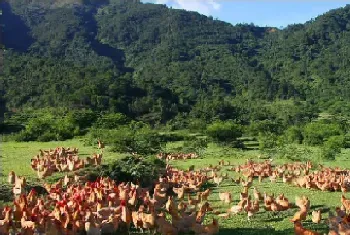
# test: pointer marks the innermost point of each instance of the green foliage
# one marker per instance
(142, 141)
(197, 125)
(47, 128)
(267, 140)
(198, 145)
(294, 134)
(153, 64)
(136, 169)
(332, 147)
(146, 141)
(315, 133)
(266, 126)
(294, 152)
(157, 65)
(82, 118)
(111, 121)
(222, 131)
(172, 136)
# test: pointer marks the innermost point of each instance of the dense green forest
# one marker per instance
(161, 65)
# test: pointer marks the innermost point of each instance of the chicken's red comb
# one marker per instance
(123, 203)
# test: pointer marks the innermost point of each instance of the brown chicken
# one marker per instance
(5, 223)
(316, 216)
(300, 230)
(212, 228)
(345, 202)
(225, 197)
(300, 215)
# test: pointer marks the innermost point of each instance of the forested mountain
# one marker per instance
(155, 63)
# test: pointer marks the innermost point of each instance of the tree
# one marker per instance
(267, 140)
(315, 133)
(294, 135)
(332, 147)
(224, 131)
(136, 169)
(111, 121)
(142, 141)
(197, 145)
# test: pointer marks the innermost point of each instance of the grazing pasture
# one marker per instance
(16, 157)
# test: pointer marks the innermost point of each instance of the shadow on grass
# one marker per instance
(255, 231)
(209, 185)
(320, 207)
(273, 219)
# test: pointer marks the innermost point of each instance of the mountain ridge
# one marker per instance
(155, 63)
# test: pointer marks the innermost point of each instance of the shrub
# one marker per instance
(171, 137)
(179, 122)
(266, 126)
(146, 141)
(224, 131)
(143, 141)
(65, 129)
(294, 135)
(315, 133)
(267, 141)
(197, 145)
(143, 170)
(112, 121)
(48, 128)
(197, 125)
(46, 137)
(82, 118)
(332, 147)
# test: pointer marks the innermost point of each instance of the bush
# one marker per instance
(171, 137)
(179, 122)
(46, 137)
(266, 126)
(267, 141)
(197, 145)
(65, 129)
(332, 147)
(111, 121)
(144, 170)
(48, 128)
(143, 141)
(197, 125)
(146, 141)
(224, 131)
(294, 135)
(315, 133)
(82, 118)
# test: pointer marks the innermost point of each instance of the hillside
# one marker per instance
(154, 63)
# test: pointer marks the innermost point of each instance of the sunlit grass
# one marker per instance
(16, 157)
(265, 222)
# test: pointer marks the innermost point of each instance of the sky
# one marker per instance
(260, 12)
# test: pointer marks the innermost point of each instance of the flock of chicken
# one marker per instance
(75, 206)
(176, 156)
(61, 160)
(298, 174)
(104, 207)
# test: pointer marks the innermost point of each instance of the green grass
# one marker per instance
(16, 157)
(265, 222)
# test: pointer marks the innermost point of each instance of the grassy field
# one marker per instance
(16, 156)
(265, 222)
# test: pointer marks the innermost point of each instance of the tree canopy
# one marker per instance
(156, 64)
